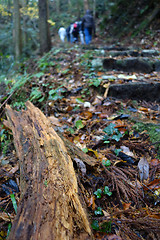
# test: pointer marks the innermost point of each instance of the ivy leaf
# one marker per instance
(95, 225)
(117, 137)
(106, 191)
(98, 193)
(110, 129)
(117, 151)
(106, 163)
(98, 211)
(85, 150)
(79, 124)
(71, 130)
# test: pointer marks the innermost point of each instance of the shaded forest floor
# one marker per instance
(122, 192)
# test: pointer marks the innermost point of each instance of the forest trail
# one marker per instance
(78, 94)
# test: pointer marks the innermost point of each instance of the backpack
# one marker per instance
(75, 28)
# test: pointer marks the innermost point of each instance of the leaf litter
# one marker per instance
(123, 188)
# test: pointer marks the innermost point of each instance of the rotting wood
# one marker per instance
(50, 207)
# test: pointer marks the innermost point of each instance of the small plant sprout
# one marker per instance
(112, 133)
(79, 124)
(95, 225)
(117, 151)
(98, 193)
(98, 211)
(106, 163)
(106, 191)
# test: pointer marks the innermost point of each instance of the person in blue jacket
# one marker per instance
(88, 26)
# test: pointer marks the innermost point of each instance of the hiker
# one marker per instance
(62, 33)
(81, 34)
(89, 26)
(74, 31)
(68, 33)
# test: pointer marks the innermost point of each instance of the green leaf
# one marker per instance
(79, 100)
(106, 191)
(85, 150)
(117, 151)
(9, 229)
(106, 163)
(45, 182)
(95, 82)
(105, 138)
(14, 202)
(117, 137)
(98, 193)
(95, 225)
(110, 129)
(38, 75)
(98, 211)
(41, 99)
(65, 71)
(35, 94)
(79, 124)
(71, 130)
(106, 227)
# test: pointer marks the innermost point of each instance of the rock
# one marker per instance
(149, 53)
(96, 63)
(109, 77)
(133, 53)
(131, 64)
(136, 91)
(157, 66)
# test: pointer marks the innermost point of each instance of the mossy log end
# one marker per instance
(50, 207)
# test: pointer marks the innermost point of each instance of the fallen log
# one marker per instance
(50, 206)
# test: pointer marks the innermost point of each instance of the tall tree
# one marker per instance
(17, 38)
(86, 5)
(94, 8)
(45, 39)
(58, 6)
(24, 4)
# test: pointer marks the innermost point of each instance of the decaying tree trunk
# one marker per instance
(50, 207)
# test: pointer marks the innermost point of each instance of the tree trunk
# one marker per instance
(50, 207)
(69, 6)
(94, 9)
(57, 6)
(86, 5)
(45, 39)
(17, 30)
(24, 5)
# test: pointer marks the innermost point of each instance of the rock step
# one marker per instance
(133, 53)
(132, 64)
(135, 91)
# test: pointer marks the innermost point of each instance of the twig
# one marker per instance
(7, 99)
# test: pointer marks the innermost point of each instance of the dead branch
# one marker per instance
(50, 207)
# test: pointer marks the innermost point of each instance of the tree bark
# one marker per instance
(45, 39)
(57, 6)
(50, 206)
(86, 5)
(17, 38)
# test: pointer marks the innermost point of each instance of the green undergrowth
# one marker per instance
(152, 130)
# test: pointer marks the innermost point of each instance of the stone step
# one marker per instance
(132, 64)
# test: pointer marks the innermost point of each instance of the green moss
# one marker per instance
(152, 130)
